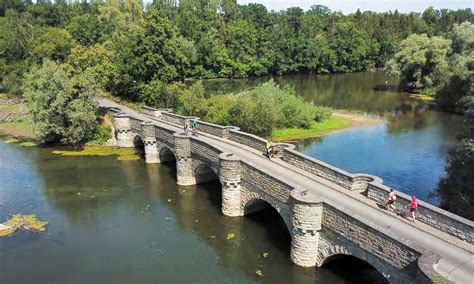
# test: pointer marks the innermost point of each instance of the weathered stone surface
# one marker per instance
(184, 162)
(248, 140)
(230, 177)
(123, 129)
(306, 221)
(319, 229)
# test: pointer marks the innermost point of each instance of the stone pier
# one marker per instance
(123, 129)
(149, 141)
(184, 161)
(230, 178)
(306, 222)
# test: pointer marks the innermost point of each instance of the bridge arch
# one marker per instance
(254, 202)
(204, 172)
(165, 154)
(335, 252)
(138, 141)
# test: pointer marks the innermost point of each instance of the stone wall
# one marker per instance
(373, 245)
(255, 177)
(317, 167)
(173, 118)
(205, 152)
(164, 135)
(215, 129)
(135, 123)
(248, 139)
(426, 213)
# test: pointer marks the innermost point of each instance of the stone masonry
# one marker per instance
(319, 228)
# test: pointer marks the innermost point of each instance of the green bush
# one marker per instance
(158, 94)
(255, 114)
(218, 108)
(100, 135)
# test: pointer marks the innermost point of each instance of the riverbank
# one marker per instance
(339, 121)
(14, 120)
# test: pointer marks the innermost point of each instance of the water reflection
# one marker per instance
(132, 223)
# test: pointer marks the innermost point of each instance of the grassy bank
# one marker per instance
(20, 128)
(331, 124)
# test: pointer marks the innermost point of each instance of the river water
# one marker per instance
(114, 221)
(408, 151)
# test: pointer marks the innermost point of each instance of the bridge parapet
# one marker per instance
(435, 217)
(376, 190)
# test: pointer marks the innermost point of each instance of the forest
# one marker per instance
(128, 46)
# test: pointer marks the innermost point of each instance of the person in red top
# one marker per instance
(413, 207)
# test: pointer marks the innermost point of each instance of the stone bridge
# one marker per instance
(328, 212)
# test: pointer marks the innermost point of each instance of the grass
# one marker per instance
(318, 129)
(19, 128)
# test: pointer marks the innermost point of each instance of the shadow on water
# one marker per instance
(366, 273)
(274, 228)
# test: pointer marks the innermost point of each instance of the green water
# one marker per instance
(116, 221)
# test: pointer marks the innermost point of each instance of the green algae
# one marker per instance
(123, 154)
(20, 222)
(11, 140)
(128, 158)
(28, 144)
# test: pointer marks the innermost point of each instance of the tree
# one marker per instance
(53, 43)
(63, 109)
(87, 29)
(460, 82)
(422, 62)
(97, 60)
(455, 190)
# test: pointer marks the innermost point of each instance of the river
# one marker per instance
(114, 221)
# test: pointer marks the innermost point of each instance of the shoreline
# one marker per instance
(347, 120)
(341, 120)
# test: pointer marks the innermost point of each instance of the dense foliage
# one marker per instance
(128, 46)
(455, 190)
(258, 110)
(63, 108)
(438, 66)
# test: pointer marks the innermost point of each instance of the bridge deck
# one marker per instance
(457, 258)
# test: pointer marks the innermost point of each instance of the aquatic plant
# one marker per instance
(11, 140)
(28, 144)
(20, 222)
(124, 154)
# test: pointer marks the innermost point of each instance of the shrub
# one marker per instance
(254, 114)
(218, 108)
(100, 135)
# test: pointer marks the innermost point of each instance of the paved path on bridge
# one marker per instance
(457, 259)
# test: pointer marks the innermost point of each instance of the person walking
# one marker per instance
(186, 126)
(194, 127)
(413, 207)
(269, 149)
(391, 200)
